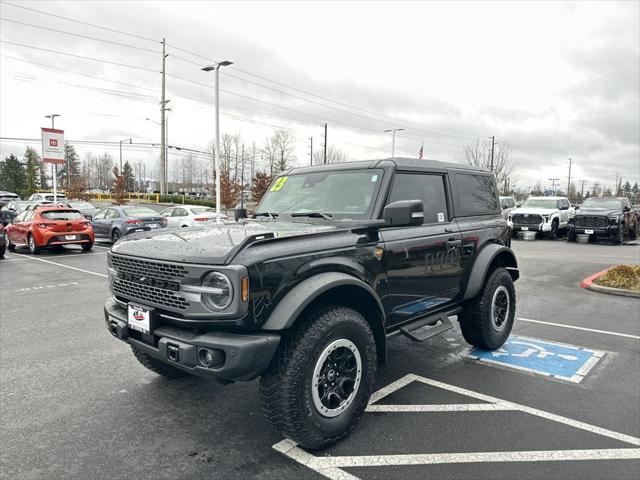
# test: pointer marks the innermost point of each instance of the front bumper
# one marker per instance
(608, 231)
(241, 357)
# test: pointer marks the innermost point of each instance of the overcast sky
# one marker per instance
(551, 79)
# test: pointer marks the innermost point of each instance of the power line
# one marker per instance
(113, 30)
(78, 35)
(80, 56)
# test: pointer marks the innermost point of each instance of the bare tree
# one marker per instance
(479, 155)
(278, 151)
(334, 155)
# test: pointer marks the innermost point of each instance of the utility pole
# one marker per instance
(242, 184)
(163, 102)
(582, 184)
(493, 146)
(569, 180)
(311, 152)
(615, 187)
(324, 157)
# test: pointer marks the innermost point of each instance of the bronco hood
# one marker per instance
(215, 244)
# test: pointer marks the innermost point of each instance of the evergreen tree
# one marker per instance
(32, 171)
(129, 179)
(259, 185)
(72, 160)
(635, 188)
(12, 177)
(626, 187)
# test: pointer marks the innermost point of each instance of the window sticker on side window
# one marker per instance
(279, 184)
(440, 217)
(374, 178)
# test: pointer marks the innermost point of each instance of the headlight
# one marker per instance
(546, 218)
(613, 220)
(509, 217)
(217, 291)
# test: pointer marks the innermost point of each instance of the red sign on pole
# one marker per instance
(53, 146)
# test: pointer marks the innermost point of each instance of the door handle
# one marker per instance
(454, 243)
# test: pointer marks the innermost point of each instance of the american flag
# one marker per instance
(420, 152)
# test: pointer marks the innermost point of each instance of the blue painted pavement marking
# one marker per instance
(566, 362)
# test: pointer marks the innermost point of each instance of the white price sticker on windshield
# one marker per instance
(374, 178)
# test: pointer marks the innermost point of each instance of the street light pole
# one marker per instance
(393, 140)
(216, 153)
(55, 166)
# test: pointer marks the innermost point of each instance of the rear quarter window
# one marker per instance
(474, 194)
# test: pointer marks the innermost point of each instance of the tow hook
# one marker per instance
(173, 352)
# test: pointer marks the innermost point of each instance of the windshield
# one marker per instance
(198, 210)
(50, 197)
(62, 215)
(541, 203)
(347, 194)
(602, 204)
(138, 212)
(81, 204)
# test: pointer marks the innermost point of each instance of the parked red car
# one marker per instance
(47, 226)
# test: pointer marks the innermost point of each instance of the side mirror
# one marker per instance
(626, 209)
(404, 213)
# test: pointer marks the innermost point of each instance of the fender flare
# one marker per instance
(481, 266)
(299, 297)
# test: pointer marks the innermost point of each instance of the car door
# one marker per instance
(110, 221)
(180, 217)
(25, 226)
(422, 263)
(166, 213)
(14, 232)
(98, 223)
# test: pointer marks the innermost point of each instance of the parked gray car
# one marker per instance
(117, 221)
(85, 208)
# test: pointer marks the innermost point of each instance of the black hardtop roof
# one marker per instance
(401, 163)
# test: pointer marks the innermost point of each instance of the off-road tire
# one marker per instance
(475, 320)
(115, 236)
(87, 246)
(554, 234)
(156, 366)
(619, 235)
(33, 248)
(286, 386)
(571, 237)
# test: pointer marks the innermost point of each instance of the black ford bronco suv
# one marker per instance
(338, 259)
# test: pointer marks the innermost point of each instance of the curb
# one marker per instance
(588, 284)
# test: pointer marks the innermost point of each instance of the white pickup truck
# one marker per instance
(547, 215)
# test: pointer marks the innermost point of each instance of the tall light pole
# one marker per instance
(393, 140)
(55, 166)
(493, 147)
(216, 153)
(121, 142)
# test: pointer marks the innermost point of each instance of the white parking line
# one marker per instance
(592, 330)
(65, 266)
(330, 466)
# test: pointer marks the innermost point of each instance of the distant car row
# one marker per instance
(44, 225)
(600, 218)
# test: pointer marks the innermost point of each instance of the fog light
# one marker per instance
(205, 357)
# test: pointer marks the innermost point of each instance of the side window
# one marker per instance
(166, 212)
(428, 188)
(179, 212)
(111, 214)
(475, 194)
(511, 202)
(99, 215)
(28, 216)
(20, 218)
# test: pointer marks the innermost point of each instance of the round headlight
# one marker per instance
(220, 292)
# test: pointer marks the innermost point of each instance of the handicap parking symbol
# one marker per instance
(566, 362)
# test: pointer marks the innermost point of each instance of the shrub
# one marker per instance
(621, 276)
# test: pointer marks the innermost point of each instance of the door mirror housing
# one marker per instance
(626, 209)
(404, 213)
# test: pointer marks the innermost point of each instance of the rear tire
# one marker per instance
(487, 319)
(319, 383)
(115, 236)
(33, 248)
(156, 366)
(87, 246)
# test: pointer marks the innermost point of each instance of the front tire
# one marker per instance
(156, 366)
(10, 246)
(554, 234)
(619, 235)
(486, 320)
(319, 383)
(33, 247)
(571, 236)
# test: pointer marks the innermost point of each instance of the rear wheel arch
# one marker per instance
(490, 257)
(331, 288)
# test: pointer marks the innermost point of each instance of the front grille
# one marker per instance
(134, 268)
(159, 270)
(527, 219)
(590, 221)
(146, 293)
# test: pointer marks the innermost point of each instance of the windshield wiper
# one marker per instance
(326, 216)
(271, 215)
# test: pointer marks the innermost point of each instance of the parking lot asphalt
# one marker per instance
(76, 404)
